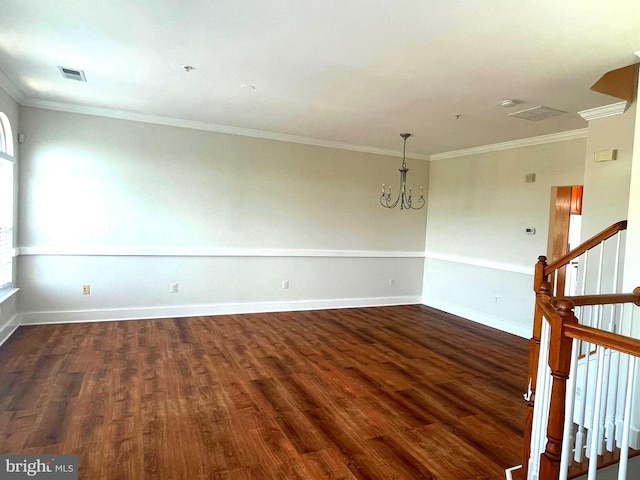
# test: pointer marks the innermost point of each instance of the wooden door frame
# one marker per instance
(561, 206)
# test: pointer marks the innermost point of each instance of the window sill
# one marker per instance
(7, 293)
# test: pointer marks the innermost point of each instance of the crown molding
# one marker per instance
(11, 88)
(211, 127)
(282, 137)
(523, 142)
(605, 111)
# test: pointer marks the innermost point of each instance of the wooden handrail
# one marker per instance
(604, 299)
(588, 245)
(559, 311)
(603, 338)
(546, 305)
(564, 329)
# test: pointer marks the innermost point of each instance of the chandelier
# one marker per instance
(404, 196)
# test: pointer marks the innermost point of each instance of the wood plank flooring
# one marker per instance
(372, 393)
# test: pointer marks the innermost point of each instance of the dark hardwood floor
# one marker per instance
(371, 393)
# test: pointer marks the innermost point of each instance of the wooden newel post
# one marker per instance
(559, 363)
(636, 291)
(540, 286)
(538, 273)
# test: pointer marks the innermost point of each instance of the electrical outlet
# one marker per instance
(285, 284)
(173, 287)
(495, 299)
(86, 289)
(392, 282)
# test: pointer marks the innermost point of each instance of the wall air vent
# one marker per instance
(537, 113)
(72, 74)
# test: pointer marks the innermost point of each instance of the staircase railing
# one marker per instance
(582, 420)
(596, 244)
(598, 306)
(549, 273)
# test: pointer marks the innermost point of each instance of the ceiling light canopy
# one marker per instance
(404, 199)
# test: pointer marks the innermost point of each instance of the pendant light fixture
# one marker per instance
(404, 196)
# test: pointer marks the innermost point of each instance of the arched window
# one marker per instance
(6, 202)
(6, 136)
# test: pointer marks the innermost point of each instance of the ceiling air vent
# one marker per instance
(537, 113)
(72, 74)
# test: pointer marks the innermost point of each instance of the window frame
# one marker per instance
(7, 154)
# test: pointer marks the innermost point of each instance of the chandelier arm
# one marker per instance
(421, 202)
(384, 201)
(393, 205)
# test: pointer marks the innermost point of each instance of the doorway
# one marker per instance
(565, 221)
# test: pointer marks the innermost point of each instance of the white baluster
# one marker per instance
(600, 265)
(584, 273)
(603, 401)
(624, 445)
(567, 436)
(624, 328)
(584, 394)
(546, 404)
(612, 402)
(611, 389)
(595, 424)
(616, 265)
(539, 424)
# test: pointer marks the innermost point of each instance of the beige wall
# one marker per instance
(480, 205)
(606, 195)
(607, 184)
(98, 181)
(479, 259)
(632, 253)
(128, 207)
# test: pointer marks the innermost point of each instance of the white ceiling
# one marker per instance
(356, 72)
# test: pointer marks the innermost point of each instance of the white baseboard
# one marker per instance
(479, 317)
(8, 328)
(71, 316)
(634, 440)
(508, 472)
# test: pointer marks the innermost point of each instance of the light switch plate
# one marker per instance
(605, 155)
